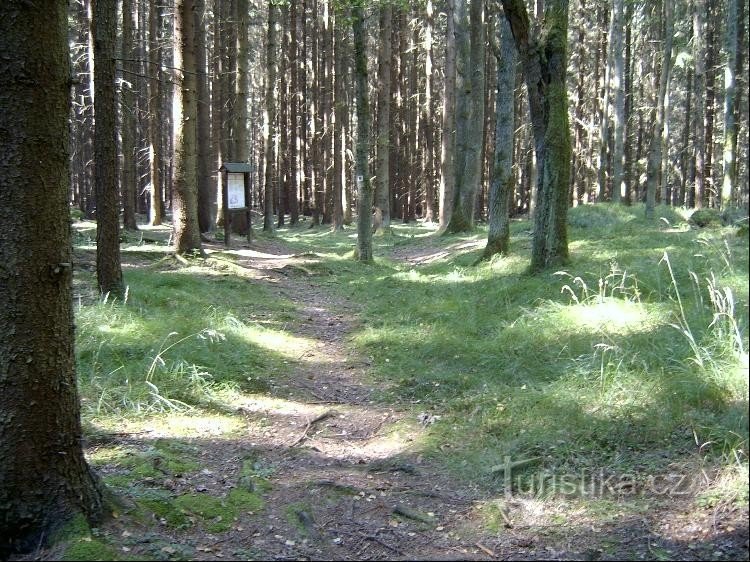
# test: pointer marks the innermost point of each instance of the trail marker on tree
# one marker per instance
(236, 196)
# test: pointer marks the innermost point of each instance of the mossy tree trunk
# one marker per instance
(543, 55)
(361, 171)
(44, 478)
(470, 54)
(501, 184)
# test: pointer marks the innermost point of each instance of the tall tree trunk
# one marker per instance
(428, 162)
(362, 172)
(448, 142)
(327, 110)
(602, 188)
(294, 111)
(382, 220)
(740, 104)
(501, 184)
(108, 267)
(470, 113)
(544, 59)
(730, 86)
(219, 100)
(128, 182)
(619, 99)
(627, 135)
(206, 191)
(340, 110)
(711, 55)
(44, 479)
(414, 158)
(156, 206)
(317, 115)
(269, 117)
(699, 95)
(579, 179)
(655, 148)
(184, 114)
(284, 71)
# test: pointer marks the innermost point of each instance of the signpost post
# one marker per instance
(235, 195)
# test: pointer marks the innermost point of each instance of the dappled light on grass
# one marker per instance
(611, 315)
(278, 341)
(198, 423)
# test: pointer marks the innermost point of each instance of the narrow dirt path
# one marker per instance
(345, 482)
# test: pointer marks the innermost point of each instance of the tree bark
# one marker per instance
(269, 117)
(618, 52)
(448, 142)
(603, 161)
(428, 161)
(108, 266)
(184, 114)
(206, 191)
(699, 95)
(362, 172)
(501, 184)
(382, 219)
(544, 57)
(655, 148)
(128, 184)
(470, 113)
(156, 206)
(44, 479)
(730, 86)
(294, 110)
(339, 132)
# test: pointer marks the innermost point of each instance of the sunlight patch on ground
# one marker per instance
(278, 341)
(196, 424)
(248, 253)
(610, 315)
(269, 405)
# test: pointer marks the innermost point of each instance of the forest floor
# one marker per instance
(321, 467)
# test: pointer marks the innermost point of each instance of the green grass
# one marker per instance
(182, 335)
(631, 359)
(614, 363)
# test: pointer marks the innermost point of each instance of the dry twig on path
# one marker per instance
(310, 423)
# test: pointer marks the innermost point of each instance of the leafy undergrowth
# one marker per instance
(586, 396)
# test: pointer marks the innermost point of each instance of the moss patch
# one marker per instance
(78, 544)
(88, 548)
(252, 476)
(219, 513)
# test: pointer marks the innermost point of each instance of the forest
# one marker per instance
(374, 280)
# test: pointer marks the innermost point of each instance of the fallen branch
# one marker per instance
(384, 544)
(412, 514)
(325, 415)
(487, 551)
